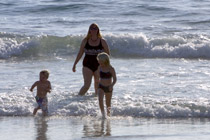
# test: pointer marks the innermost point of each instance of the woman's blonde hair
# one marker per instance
(104, 58)
(98, 33)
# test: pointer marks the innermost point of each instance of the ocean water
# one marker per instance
(160, 50)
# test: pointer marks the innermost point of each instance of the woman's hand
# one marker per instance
(74, 68)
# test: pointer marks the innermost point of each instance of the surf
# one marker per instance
(189, 46)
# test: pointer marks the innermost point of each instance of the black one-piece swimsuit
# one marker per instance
(91, 52)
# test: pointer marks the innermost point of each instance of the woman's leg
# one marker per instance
(87, 75)
(96, 81)
(108, 102)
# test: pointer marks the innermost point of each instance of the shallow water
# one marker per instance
(145, 88)
(160, 50)
(72, 128)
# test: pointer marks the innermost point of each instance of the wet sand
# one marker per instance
(76, 128)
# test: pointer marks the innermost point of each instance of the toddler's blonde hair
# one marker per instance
(46, 73)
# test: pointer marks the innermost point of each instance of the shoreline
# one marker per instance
(56, 127)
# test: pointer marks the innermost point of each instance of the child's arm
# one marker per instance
(33, 86)
(114, 77)
(49, 87)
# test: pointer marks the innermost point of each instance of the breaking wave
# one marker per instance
(190, 46)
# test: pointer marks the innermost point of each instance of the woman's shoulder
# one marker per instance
(103, 40)
(84, 41)
(105, 45)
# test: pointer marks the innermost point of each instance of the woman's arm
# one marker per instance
(106, 47)
(79, 55)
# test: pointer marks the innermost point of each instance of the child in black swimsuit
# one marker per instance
(106, 82)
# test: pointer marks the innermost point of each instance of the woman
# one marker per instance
(92, 45)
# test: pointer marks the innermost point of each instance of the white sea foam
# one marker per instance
(69, 104)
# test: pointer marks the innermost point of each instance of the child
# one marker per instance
(43, 86)
(106, 82)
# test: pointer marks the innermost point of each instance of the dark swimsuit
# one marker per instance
(42, 103)
(105, 75)
(91, 52)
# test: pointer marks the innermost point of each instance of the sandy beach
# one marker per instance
(76, 128)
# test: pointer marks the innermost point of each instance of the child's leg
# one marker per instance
(44, 113)
(108, 102)
(35, 110)
(101, 100)
(45, 107)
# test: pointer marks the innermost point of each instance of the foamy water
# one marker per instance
(145, 88)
